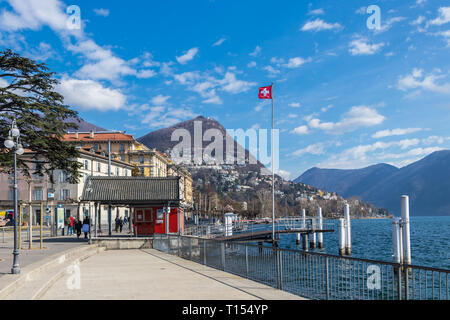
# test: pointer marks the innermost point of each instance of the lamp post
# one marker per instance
(12, 142)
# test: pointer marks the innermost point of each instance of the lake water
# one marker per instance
(372, 239)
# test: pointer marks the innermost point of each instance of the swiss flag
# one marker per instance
(265, 92)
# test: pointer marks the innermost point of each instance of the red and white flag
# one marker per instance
(265, 92)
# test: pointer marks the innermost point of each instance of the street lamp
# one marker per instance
(12, 142)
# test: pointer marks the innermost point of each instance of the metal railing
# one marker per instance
(212, 230)
(310, 274)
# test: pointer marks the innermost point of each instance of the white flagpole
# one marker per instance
(273, 182)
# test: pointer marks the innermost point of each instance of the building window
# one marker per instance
(142, 171)
(122, 157)
(38, 194)
(64, 194)
(117, 171)
(63, 177)
(99, 167)
(122, 148)
(95, 147)
(126, 172)
(141, 159)
(11, 194)
(86, 165)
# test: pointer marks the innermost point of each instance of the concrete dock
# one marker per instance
(151, 274)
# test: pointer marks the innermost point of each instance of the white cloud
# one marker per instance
(316, 12)
(256, 52)
(144, 74)
(89, 94)
(443, 18)
(3, 83)
(292, 116)
(314, 149)
(188, 56)
(362, 10)
(294, 104)
(357, 117)
(272, 71)
(31, 14)
(219, 42)
(102, 12)
(395, 132)
(161, 116)
(388, 24)
(251, 64)
(296, 62)
(417, 80)
(361, 46)
(418, 21)
(261, 105)
(159, 100)
(301, 130)
(319, 25)
(232, 85)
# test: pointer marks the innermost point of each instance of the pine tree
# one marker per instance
(27, 95)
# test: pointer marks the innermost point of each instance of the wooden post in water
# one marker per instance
(341, 228)
(320, 234)
(348, 234)
(298, 239)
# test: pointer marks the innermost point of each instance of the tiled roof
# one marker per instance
(131, 190)
(98, 136)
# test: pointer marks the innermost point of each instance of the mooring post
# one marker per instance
(303, 219)
(406, 232)
(348, 233)
(341, 228)
(305, 242)
(396, 240)
(320, 234)
(312, 239)
(298, 239)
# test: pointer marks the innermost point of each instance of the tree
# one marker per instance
(27, 95)
(135, 172)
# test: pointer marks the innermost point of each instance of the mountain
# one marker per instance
(84, 126)
(161, 140)
(426, 182)
(347, 183)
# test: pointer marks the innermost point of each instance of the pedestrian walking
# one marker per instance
(78, 227)
(120, 224)
(72, 221)
(85, 228)
(117, 224)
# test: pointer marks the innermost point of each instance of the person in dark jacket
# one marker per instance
(120, 224)
(78, 226)
(86, 221)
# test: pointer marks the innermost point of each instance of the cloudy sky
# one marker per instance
(347, 94)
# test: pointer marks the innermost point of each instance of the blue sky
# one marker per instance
(346, 96)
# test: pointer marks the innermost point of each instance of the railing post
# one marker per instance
(246, 260)
(190, 248)
(223, 255)
(327, 285)
(406, 284)
(399, 284)
(179, 248)
(204, 252)
(278, 268)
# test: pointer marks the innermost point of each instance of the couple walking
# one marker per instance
(78, 225)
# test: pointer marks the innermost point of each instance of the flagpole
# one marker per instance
(273, 181)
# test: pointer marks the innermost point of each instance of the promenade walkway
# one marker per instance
(150, 274)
